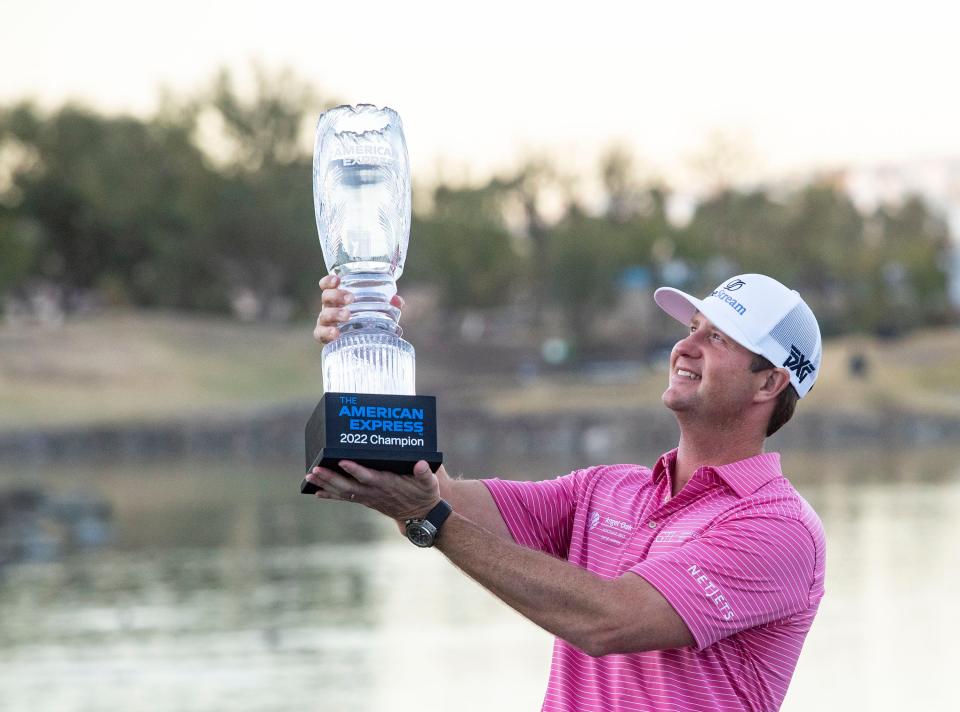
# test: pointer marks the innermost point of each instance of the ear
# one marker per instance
(772, 385)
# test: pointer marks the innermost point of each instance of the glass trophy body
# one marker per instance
(361, 189)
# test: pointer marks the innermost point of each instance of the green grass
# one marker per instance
(918, 374)
(149, 366)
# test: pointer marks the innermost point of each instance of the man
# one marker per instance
(690, 586)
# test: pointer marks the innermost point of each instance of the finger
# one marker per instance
(323, 494)
(361, 474)
(331, 316)
(336, 297)
(322, 487)
(335, 483)
(330, 281)
(326, 329)
(422, 471)
(325, 334)
(397, 301)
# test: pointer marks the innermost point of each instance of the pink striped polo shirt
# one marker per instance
(738, 553)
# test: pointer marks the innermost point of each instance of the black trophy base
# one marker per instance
(382, 432)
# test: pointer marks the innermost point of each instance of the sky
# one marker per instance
(482, 86)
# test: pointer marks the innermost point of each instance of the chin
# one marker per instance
(673, 401)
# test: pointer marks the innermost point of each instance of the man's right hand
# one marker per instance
(335, 309)
(470, 498)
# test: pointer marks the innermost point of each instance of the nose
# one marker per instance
(689, 346)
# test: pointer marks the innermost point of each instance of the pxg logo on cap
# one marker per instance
(799, 363)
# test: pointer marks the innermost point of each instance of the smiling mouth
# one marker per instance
(684, 373)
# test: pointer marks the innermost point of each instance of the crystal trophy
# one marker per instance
(369, 412)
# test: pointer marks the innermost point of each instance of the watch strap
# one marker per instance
(438, 515)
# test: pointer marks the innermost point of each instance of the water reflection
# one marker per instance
(224, 587)
(35, 526)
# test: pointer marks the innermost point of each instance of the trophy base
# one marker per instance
(382, 432)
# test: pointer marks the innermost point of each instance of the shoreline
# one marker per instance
(278, 431)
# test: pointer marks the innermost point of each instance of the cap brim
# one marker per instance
(682, 306)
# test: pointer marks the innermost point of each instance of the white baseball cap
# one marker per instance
(761, 315)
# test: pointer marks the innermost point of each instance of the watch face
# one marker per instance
(420, 533)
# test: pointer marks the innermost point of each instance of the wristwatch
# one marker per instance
(424, 532)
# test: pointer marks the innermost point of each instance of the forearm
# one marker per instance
(597, 615)
(473, 500)
(570, 602)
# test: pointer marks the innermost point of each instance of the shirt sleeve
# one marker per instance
(539, 515)
(741, 573)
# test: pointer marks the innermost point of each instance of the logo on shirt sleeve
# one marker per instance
(711, 591)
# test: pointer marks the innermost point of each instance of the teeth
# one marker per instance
(687, 374)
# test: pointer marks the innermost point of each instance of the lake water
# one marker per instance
(223, 588)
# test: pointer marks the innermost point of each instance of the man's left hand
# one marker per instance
(401, 497)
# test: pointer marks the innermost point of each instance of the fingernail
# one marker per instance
(344, 314)
(348, 298)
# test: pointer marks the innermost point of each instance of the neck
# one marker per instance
(709, 446)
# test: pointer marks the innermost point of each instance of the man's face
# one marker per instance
(709, 374)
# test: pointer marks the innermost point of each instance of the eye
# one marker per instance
(718, 337)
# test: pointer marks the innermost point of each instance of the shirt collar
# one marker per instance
(744, 477)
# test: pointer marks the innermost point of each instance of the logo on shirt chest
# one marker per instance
(668, 540)
(608, 529)
(673, 536)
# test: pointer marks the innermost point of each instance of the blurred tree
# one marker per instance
(746, 228)
(463, 247)
(919, 240)
(589, 254)
(617, 174)
(808, 239)
(903, 279)
(267, 127)
(102, 193)
(822, 231)
(627, 198)
(726, 158)
(18, 251)
(207, 205)
(146, 212)
(261, 222)
(535, 182)
(586, 256)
